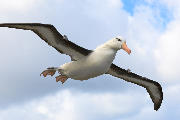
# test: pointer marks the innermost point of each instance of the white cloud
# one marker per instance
(68, 105)
(141, 29)
(140, 50)
(149, 1)
(172, 91)
(167, 52)
(173, 6)
(171, 3)
(169, 107)
(104, 10)
(115, 3)
(17, 5)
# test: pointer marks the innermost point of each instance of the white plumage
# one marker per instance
(93, 65)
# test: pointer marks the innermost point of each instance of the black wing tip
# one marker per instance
(156, 107)
(157, 104)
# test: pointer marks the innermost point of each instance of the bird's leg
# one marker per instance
(50, 71)
(61, 78)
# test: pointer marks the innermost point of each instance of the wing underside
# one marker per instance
(50, 35)
(153, 88)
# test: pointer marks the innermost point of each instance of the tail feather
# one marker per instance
(53, 68)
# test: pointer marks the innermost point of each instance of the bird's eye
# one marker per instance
(119, 39)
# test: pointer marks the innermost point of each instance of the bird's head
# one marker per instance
(118, 43)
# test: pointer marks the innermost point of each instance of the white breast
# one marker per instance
(97, 63)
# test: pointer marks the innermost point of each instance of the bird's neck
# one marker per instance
(106, 52)
(105, 47)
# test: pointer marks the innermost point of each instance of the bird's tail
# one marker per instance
(53, 68)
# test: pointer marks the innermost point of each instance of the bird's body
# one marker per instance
(93, 65)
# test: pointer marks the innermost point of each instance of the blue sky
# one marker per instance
(165, 14)
(130, 5)
(152, 32)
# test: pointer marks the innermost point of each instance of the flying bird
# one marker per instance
(86, 63)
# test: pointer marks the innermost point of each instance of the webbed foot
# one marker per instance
(48, 72)
(61, 78)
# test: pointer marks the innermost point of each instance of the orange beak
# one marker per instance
(125, 48)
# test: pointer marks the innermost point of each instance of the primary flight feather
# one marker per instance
(86, 63)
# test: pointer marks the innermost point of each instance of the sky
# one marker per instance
(151, 29)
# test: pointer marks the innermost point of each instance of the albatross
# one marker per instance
(86, 63)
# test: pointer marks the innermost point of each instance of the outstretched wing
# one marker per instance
(50, 35)
(153, 88)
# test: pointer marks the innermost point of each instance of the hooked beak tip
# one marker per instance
(125, 48)
(129, 52)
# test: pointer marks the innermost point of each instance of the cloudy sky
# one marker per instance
(151, 28)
